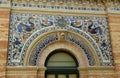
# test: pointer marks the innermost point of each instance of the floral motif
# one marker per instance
(23, 27)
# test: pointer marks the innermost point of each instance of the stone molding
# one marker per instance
(34, 70)
(98, 8)
(23, 68)
(65, 13)
(97, 68)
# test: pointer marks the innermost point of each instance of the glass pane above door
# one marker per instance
(61, 75)
(72, 76)
(61, 59)
(50, 75)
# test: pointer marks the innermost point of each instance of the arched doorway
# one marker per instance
(61, 64)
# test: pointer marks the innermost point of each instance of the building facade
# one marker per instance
(59, 39)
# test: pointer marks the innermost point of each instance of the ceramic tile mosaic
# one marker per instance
(24, 28)
(59, 7)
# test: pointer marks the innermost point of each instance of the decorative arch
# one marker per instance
(63, 45)
(41, 39)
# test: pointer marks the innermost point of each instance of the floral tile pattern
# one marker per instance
(23, 26)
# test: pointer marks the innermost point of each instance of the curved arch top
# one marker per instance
(61, 58)
(53, 34)
(67, 46)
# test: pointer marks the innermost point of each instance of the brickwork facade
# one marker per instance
(97, 66)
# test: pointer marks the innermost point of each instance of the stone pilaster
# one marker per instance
(4, 29)
(83, 72)
(41, 72)
(114, 25)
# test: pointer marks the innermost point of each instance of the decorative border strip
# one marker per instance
(115, 9)
(59, 7)
(4, 2)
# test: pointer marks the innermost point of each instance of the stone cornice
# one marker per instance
(61, 12)
(5, 4)
(97, 68)
(69, 2)
(15, 68)
(71, 9)
(32, 70)
(22, 68)
(57, 8)
(100, 8)
(101, 68)
(5, 8)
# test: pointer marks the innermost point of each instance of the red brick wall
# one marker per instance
(4, 28)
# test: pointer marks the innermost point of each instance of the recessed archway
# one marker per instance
(67, 46)
(51, 40)
(70, 48)
(76, 44)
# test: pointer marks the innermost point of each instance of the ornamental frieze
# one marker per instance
(24, 28)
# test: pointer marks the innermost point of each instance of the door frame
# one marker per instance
(62, 70)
